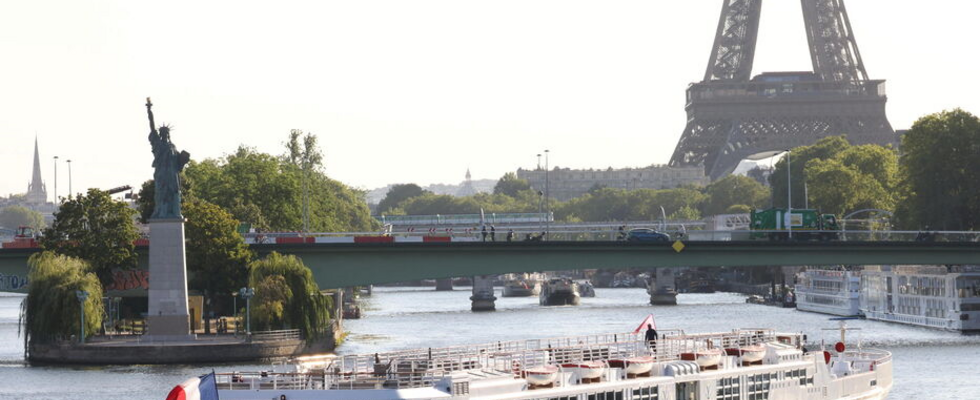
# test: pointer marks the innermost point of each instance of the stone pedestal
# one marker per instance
(483, 298)
(168, 318)
(444, 285)
(662, 292)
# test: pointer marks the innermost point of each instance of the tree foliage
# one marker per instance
(97, 229)
(940, 171)
(511, 185)
(217, 256)
(267, 191)
(51, 310)
(632, 205)
(732, 190)
(286, 296)
(397, 195)
(12, 217)
(839, 178)
(825, 148)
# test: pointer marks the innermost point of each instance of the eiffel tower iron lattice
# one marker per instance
(732, 116)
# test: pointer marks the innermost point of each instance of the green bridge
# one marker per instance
(338, 265)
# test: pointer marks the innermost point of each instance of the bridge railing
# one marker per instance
(612, 233)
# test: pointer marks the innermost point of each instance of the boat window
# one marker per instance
(646, 393)
(728, 389)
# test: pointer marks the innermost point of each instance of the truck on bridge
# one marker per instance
(804, 224)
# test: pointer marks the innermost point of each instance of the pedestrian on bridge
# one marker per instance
(483, 231)
(510, 235)
(493, 233)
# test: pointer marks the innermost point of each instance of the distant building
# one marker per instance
(37, 193)
(466, 189)
(566, 184)
(36, 197)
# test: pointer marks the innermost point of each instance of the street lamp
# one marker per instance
(69, 179)
(82, 296)
(789, 195)
(547, 194)
(247, 294)
(56, 179)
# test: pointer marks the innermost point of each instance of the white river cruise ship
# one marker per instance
(753, 364)
(931, 296)
(834, 291)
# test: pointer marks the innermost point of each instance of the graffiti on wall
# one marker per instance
(12, 282)
(129, 279)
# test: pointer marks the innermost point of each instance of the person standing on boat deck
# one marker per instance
(652, 338)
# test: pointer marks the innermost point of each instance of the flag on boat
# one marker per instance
(200, 388)
(648, 321)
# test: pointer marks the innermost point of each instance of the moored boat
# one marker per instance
(559, 292)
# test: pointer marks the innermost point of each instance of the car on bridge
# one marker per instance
(646, 235)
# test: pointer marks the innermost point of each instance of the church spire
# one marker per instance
(36, 192)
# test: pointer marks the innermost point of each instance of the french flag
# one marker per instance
(201, 388)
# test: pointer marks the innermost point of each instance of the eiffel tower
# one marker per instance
(732, 116)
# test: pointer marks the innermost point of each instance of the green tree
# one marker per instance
(217, 256)
(303, 306)
(838, 188)
(839, 178)
(13, 217)
(51, 310)
(270, 189)
(825, 148)
(510, 185)
(397, 195)
(732, 190)
(97, 229)
(940, 172)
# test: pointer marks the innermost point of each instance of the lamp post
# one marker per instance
(547, 194)
(56, 179)
(69, 178)
(247, 294)
(234, 308)
(82, 296)
(789, 195)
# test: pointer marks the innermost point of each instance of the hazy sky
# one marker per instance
(413, 91)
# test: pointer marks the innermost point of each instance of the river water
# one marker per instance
(928, 364)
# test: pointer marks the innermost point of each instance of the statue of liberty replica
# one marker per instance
(168, 318)
(167, 164)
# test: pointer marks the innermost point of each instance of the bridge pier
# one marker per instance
(483, 298)
(662, 291)
(444, 285)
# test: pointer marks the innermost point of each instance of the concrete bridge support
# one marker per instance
(662, 292)
(444, 285)
(483, 298)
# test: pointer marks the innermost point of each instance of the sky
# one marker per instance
(413, 91)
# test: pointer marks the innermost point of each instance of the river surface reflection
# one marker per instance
(929, 364)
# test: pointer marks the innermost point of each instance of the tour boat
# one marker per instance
(833, 291)
(622, 366)
(933, 296)
(559, 292)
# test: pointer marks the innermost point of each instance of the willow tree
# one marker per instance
(51, 311)
(287, 296)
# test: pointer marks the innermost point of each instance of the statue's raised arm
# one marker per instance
(149, 113)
